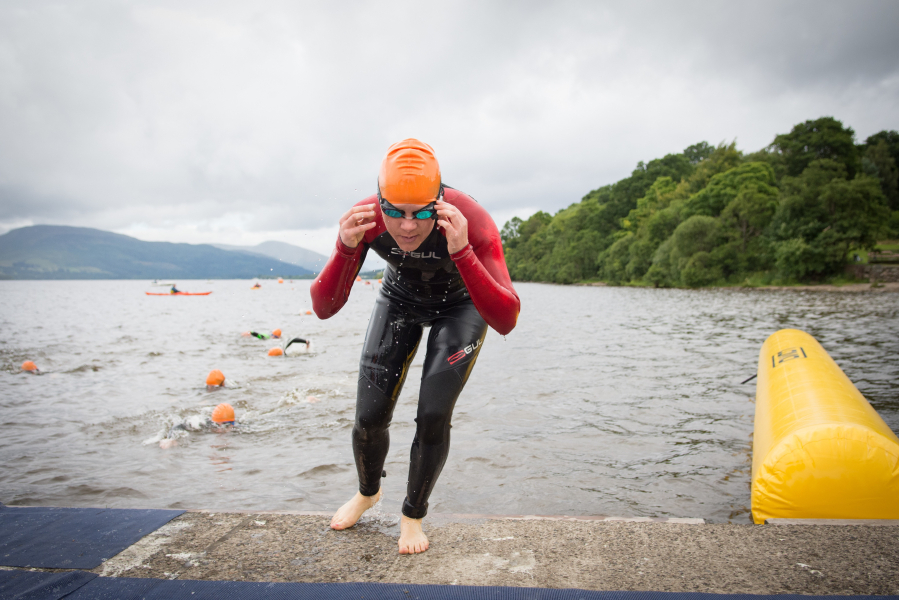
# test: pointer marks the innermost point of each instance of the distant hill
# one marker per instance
(283, 251)
(58, 252)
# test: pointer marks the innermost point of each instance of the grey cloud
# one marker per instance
(119, 114)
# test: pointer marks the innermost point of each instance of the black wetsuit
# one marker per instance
(428, 287)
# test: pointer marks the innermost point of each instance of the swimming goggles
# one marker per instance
(428, 212)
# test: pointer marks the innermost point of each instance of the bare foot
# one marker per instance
(412, 539)
(349, 513)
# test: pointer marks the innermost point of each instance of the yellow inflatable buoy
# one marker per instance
(820, 450)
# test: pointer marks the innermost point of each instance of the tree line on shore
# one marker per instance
(795, 211)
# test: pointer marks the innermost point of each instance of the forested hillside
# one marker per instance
(797, 210)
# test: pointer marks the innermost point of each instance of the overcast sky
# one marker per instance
(239, 122)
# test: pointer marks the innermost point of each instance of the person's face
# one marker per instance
(408, 232)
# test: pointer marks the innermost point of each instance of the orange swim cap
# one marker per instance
(275, 352)
(276, 333)
(223, 413)
(215, 377)
(308, 312)
(29, 366)
(409, 174)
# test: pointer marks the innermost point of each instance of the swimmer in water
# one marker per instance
(298, 340)
(445, 270)
(221, 420)
(276, 334)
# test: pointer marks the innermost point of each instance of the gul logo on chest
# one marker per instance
(464, 352)
(414, 254)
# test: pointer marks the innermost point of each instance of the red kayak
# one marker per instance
(179, 294)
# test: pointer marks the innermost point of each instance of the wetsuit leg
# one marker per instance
(390, 345)
(453, 346)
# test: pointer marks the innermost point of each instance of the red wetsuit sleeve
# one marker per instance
(483, 268)
(332, 287)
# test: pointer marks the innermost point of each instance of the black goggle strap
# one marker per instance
(390, 206)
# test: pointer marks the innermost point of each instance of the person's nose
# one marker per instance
(408, 224)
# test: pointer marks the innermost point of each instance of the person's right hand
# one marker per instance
(355, 222)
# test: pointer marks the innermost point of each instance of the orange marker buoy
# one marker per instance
(29, 366)
(276, 333)
(223, 413)
(215, 378)
(280, 280)
(358, 278)
(275, 352)
(308, 312)
(379, 281)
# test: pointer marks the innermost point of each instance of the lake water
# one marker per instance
(603, 401)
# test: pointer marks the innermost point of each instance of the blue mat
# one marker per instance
(40, 585)
(72, 538)
(104, 588)
(22, 585)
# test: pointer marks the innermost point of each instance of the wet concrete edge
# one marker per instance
(555, 551)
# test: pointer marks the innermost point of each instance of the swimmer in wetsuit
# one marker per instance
(446, 270)
(276, 334)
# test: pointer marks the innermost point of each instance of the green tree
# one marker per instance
(877, 162)
(700, 269)
(509, 234)
(658, 196)
(699, 233)
(829, 215)
(673, 264)
(698, 152)
(621, 197)
(662, 272)
(750, 212)
(613, 261)
(724, 187)
(527, 246)
(710, 214)
(890, 138)
(823, 138)
(723, 158)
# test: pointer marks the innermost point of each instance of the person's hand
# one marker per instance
(454, 225)
(355, 222)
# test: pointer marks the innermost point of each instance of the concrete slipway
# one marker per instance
(557, 552)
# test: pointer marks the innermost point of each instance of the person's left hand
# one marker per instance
(454, 225)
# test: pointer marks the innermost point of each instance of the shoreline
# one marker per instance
(595, 553)
(880, 288)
